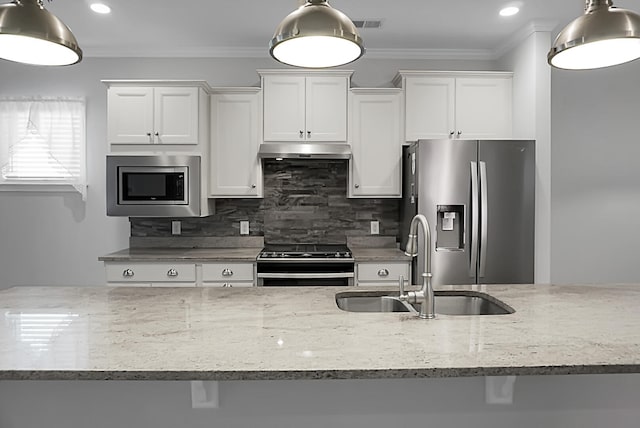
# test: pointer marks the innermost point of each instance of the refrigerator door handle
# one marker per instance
(473, 262)
(483, 219)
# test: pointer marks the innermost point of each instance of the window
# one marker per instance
(42, 144)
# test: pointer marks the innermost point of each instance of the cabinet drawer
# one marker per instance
(377, 272)
(151, 272)
(227, 272)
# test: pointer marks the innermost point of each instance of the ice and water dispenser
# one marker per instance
(450, 228)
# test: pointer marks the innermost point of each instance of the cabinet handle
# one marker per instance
(150, 137)
(253, 186)
(227, 285)
(383, 272)
(451, 134)
(301, 134)
(127, 273)
(227, 272)
(459, 133)
(172, 273)
(157, 134)
(357, 186)
(308, 134)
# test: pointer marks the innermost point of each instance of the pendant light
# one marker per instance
(316, 36)
(31, 34)
(602, 37)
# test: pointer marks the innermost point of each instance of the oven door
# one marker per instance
(318, 274)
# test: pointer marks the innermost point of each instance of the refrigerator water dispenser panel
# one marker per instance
(450, 228)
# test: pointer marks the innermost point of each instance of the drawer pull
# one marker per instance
(383, 272)
(227, 272)
(127, 273)
(227, 285)
(172, 273)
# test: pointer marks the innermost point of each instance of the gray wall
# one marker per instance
(595, 163)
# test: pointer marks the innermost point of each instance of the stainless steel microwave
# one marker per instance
(153, 186)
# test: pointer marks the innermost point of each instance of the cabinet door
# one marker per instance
(235, 168)
(483, 107)
(376, 146)
(176, 115)
(130, 115)
(326, 108)
(284, 108)
(429, 107)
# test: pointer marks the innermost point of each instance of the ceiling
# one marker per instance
(237, 28)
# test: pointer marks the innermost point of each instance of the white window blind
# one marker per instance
(42, 144)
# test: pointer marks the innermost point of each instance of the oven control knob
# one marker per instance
(347, 254)
(337, 254)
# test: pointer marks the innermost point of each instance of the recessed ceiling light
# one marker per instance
(509, 11)
(100, 8)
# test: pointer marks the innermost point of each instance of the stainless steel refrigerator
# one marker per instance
(479, 199)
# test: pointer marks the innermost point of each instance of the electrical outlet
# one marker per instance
(244, 227)
(176, 227)
(375, 227)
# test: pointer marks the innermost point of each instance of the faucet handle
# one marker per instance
(401, 286)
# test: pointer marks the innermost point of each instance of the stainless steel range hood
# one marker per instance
(304, 151)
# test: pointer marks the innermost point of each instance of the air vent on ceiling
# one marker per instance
(368, 23)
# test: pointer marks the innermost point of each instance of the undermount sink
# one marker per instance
(447, 303)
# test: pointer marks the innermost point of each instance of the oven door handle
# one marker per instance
(329, 275)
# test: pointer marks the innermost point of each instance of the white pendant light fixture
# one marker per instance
(316, 36)
(602, 37)
(31, 34)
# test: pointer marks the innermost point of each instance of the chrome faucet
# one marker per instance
(425, 295)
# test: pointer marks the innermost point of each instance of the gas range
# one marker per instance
(305, 253)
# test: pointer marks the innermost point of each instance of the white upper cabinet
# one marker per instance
(153, 115)
(306, 106)
(464, 105)
(376, 143)
(483, 107)
(235, 170)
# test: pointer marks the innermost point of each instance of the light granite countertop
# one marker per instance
(276, 333)
(232, 254)
(182, 254)
(378, 254)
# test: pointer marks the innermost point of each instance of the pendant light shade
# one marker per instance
(602, 37)
(31, 34)
(316, 36)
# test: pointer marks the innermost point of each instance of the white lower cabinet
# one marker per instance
(228, 274)
(151, 274)
(381, 273)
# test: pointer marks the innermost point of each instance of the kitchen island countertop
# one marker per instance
(274, 333)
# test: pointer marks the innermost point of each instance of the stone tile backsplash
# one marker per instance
(305, 201)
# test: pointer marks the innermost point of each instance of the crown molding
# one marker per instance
(519, 36)
(263, 52)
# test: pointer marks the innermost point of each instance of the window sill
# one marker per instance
(43, 187)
